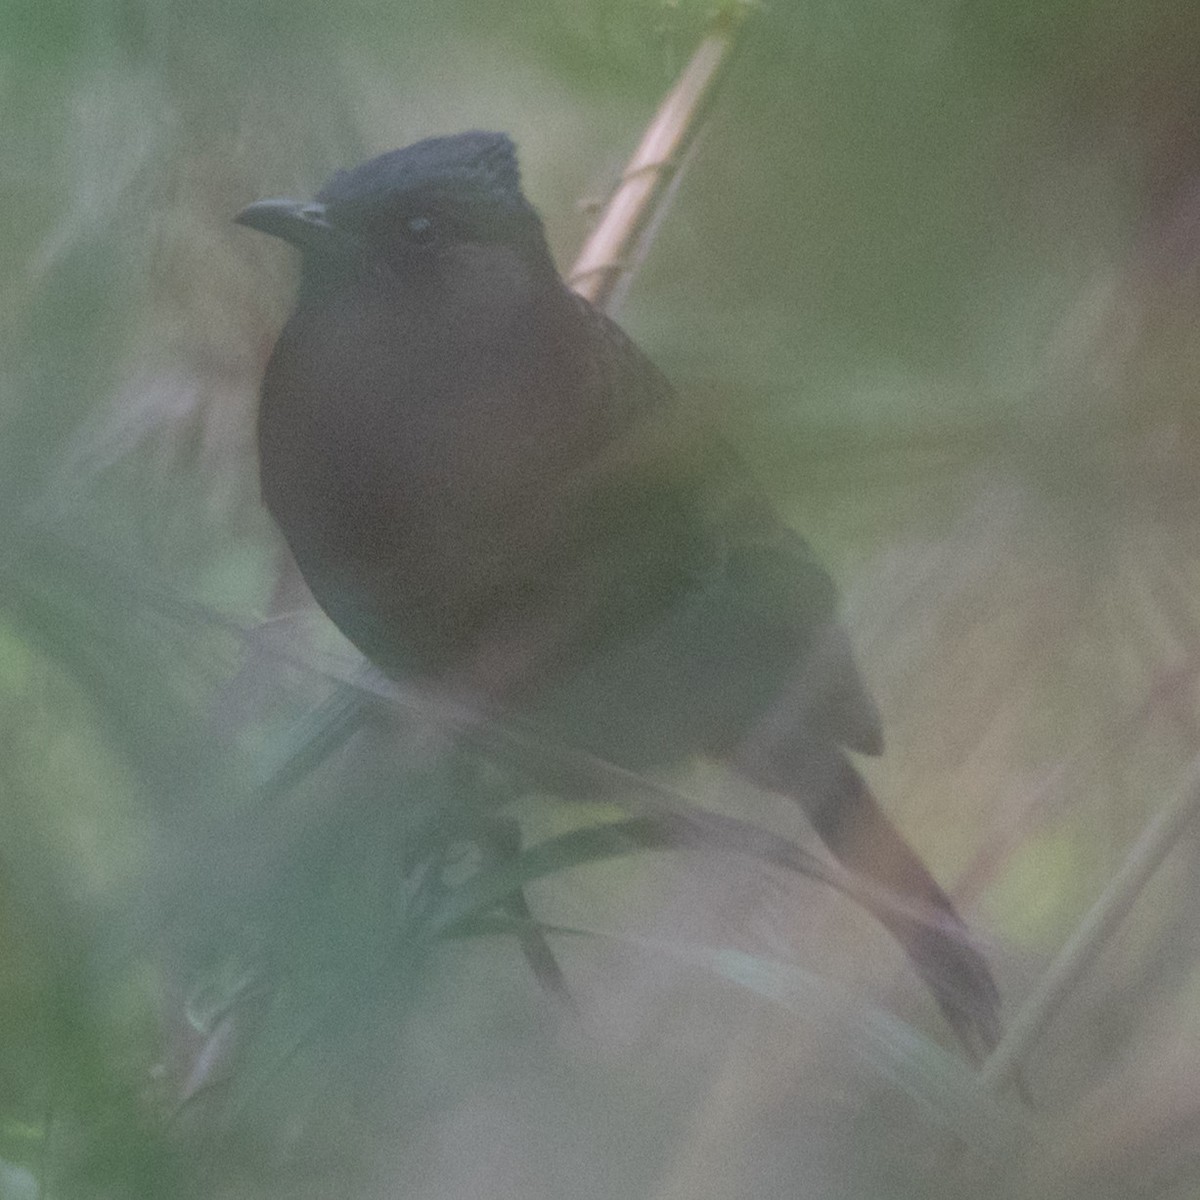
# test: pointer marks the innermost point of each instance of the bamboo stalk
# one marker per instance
(615, 245)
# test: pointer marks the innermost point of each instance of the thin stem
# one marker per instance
(612, 249)
(1093, 933)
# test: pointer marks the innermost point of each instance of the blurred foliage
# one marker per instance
(934, 265)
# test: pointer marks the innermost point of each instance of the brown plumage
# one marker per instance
(491, 490)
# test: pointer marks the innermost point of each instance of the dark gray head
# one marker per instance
(474, 163)
(405, 209)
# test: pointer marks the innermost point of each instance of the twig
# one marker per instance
(612, 248)
(1093, 933)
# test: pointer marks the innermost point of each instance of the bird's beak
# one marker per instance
(302, 223)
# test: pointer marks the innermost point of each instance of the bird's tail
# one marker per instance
(899, 890)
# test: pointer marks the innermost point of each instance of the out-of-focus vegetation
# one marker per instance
(935, 267)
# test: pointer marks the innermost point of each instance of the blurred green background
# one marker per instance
(937, 268)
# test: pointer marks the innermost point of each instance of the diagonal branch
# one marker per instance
(617, 243)
(1093, 933)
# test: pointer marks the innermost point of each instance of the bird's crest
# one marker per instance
(476, 160)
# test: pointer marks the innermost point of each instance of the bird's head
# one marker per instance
(410, 211)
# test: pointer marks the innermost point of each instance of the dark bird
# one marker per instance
(493, 492)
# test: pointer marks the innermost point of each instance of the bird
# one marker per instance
(498, 497)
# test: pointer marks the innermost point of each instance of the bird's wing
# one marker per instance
(785, 590)
(692, 579)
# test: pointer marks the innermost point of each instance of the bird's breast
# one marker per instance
(415, 464)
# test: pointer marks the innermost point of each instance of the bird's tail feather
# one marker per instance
(900, 893)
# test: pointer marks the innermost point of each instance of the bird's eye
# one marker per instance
(420, 229)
